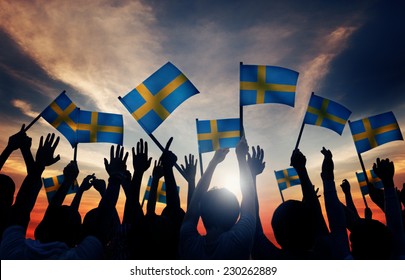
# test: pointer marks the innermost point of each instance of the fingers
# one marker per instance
(168, 144)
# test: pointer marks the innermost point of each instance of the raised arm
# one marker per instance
(385, 170)
(334, 208)
(70, 173)
(85, 186)
(298, 161)
(169, 159)
(189, 169)
(28, 193)
(156, 175)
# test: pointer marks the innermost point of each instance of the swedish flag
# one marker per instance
(372, 178)
(158, 96)
(100, 127)
(52, 184)
(374, 131)
(267, 84)
(161, 191)
(63, 114)
(326, 113)
(217, 134)
(287, 178)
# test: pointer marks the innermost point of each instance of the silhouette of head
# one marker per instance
(219, 209)
(371, 240)
(60, 223)
(91, 223)
(294, 226)
(7, 189)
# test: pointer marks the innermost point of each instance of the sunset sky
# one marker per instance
(349, 51)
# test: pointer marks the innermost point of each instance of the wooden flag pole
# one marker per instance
(302, 127)
(365, 176)
(163, 149)
(37, 118)
(199, 154)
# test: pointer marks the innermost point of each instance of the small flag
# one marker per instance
(161, 191)
(63, 114)
(158, 96)
(267, 84)
(217, 134)
(326, 113)
(52, 184)
(100, 127)
(374, 131)
(287, 178)
(372, 178)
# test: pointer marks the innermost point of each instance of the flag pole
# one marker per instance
(302, 126)
(199, 154)
(365, 176)
(75, 153)
(163, 149)
(37, 117)
(242, 130)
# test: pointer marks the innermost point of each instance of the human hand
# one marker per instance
(140, 159)
(190, 168)
(255, 161)
(20, 140)
(242, 148)
(345, 186)
(168, 158)
(157, 172)
(385, 170)
(71, 171)
(220, 155)
(46, 150)
(87, 182)
(118, 162)
(298, 160)
(327, 165)
(100, 186)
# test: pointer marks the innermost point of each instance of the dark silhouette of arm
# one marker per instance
(385, 170)
(70, 173)
(169, 159)
(334, 208)
(85, 186)
(189, 170)
(310, 198)
(28, 193)
(156, 175)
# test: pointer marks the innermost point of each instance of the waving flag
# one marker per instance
(217, 134)
(52, 184)
(63, 114)
(158, 96)
(374, 131)
(287, 178)
(161, 191)
(372, 178)
(326, 113)
(267, 84)
(100, 127)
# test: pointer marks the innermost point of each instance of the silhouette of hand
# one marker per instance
(242, 148)
(126, 181)
(168, 158)
(255, 161)
(384, 169)
(140, 159)
(190, 168)
(46, 150)
(87, 182)
(157, 172)
(298, 160)
(327, 165)
(71, 171)
(19, 140)
(345, 186)
(100, 186)
(118, 162)
(220, 155)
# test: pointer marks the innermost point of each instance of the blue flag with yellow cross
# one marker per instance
(326, 113)
(287, 178)
(213, 135)
(374, 131)
(267, 84)
(52, 184)
(100, 127)
(63, 115)
(160, 193)
(151, 102)
(372, 178)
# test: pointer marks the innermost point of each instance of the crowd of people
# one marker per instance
(233, 229)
